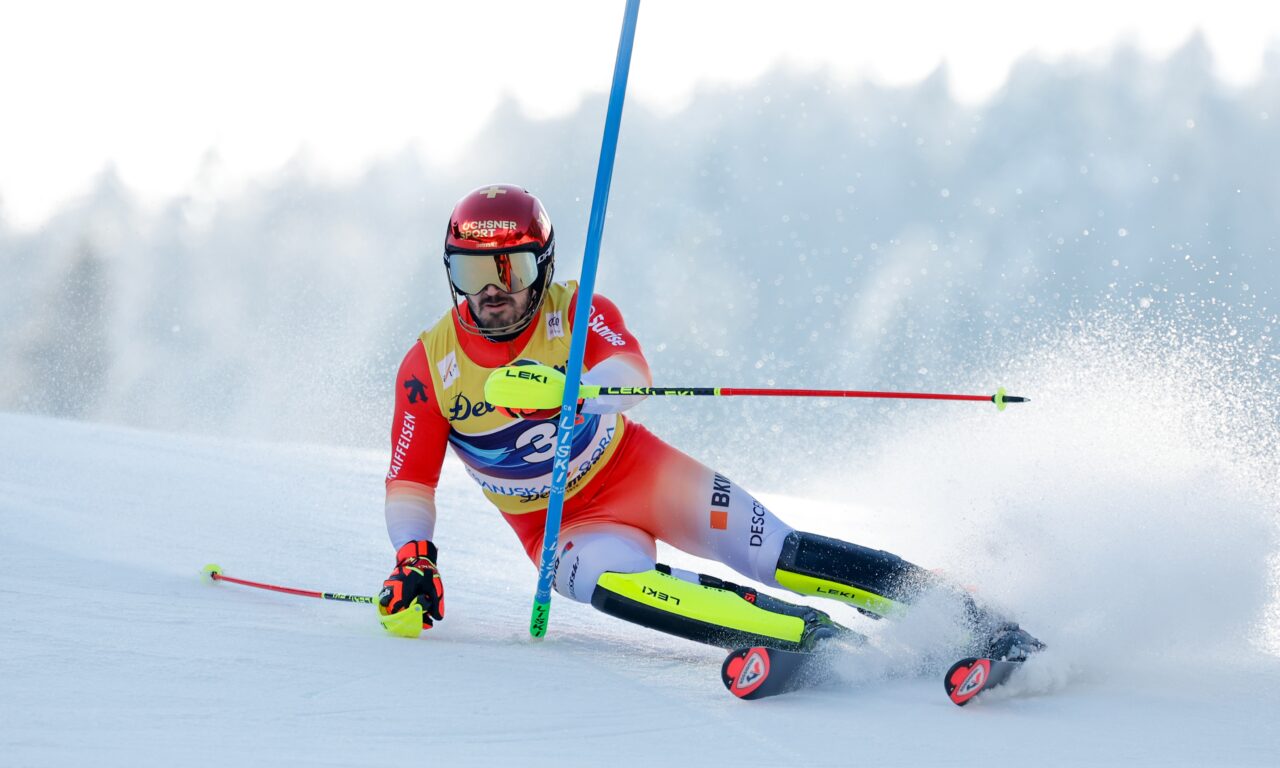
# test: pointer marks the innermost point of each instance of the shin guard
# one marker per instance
(712, 612)
(873, 581)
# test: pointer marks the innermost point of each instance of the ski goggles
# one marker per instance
(509, 272)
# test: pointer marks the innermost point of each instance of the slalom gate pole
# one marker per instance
(215, 572)
(540, 617)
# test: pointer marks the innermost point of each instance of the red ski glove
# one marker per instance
(414, 579)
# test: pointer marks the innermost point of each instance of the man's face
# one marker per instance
(494, 308)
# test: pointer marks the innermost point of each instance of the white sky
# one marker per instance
(153, 86)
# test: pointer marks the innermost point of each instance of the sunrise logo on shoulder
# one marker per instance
(968, 681)
(749, 672)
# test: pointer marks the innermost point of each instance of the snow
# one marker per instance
(117, 652)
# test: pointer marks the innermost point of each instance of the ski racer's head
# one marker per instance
(499, 252)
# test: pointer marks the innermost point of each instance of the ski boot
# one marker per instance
(1009, 642)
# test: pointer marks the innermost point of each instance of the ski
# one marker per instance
(969, 677)
(759, 672)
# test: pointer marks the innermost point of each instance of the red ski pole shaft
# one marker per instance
(215, 573)
(728, 392)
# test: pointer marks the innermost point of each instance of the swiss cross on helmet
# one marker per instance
(499, 235)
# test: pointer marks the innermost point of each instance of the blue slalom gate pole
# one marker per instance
(582, 312)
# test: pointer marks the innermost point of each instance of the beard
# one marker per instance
(498, 311)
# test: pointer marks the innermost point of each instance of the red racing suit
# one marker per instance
(440, 402)
(626, 487)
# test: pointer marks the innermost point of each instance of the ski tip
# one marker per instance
(966, 679)
(745, 670)
(211, 571)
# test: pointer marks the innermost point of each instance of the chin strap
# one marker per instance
(506, 332)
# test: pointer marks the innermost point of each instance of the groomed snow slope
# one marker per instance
(116, 652)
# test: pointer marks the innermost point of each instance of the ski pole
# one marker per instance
(406, 623)
(215, 572)
(541, 386)
(999, 398)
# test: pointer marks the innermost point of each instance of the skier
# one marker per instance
(626, 487)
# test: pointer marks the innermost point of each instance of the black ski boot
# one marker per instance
(1009, 642)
